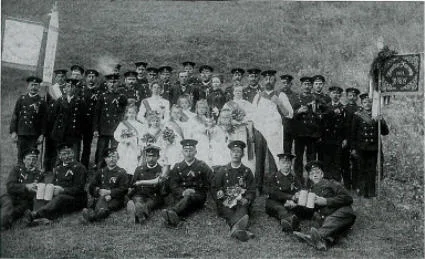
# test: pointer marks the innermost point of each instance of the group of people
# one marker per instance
(155, 128)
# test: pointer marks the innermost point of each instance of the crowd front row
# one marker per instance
(232, 186)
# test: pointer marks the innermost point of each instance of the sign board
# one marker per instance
(22, 43)
(401, 75)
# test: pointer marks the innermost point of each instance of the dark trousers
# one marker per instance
(189, 204)
(337, 222)
(149, 204)
(24, 143)
(276, 210)
(307, 144)
(366, 180)
(349, 166)
(331, 158)
(103, 208)
(85, 156)
(50, 154)
(103, 143)
(62, 204)
(13, 208)
(288, 140)
(232, 215)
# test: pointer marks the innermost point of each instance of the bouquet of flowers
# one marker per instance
(233, 195)
(148, 139)
(168, 135)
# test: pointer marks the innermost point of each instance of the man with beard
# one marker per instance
(142, 85)
(203, 89)
(28, 123)
(164, 80)
(253, 84)
(129, 90)
(21, 188)
(69, 195)
(110, 108)
(90, 95)
(237, 74)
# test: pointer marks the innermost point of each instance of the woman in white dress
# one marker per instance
(197, 129)
(128, 135)
(242, 103)
(154, 103)
(171, 151)
(152, 133)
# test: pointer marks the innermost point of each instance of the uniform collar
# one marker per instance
(150, 167)
(191, 163)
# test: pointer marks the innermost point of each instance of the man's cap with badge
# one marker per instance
(306, 79)
(188, 143)
(112, 76)
(336, 89)
(205, 67)
(364, 96)
(109, 151)
(77, 68)
(254, 71)
(152, 69)
(33, 79)
(287, 77)
(286, 155)
(318, 78)
(189, 63)
(352, 90)
(72, 81)
(63, 146)
(152, 150)
(130, 73)
(163, 69)
(141, 63)
(31, 152)
(60, 71)
(92, 72)
(237, 143)
(268, 73)
(313, 164)
(237, 70)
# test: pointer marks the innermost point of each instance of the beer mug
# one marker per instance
(302, 199)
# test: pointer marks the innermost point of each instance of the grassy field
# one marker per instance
(302, 38)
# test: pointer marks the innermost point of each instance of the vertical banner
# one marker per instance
(22, 43)
(52, 40)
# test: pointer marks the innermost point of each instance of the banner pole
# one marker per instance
(378, 189)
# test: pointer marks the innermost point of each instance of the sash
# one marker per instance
(147, 106)
(364, 116)
(132, 128)
(176, 128)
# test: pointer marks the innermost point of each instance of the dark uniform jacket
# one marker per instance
(323, 98)
(29, 118)
(364, 132)
(143, 89)
(293, 99)
(72, 178)
(216, 98)
(166, 90)
(115, 179)
(336, 195)
(68, 118)
(201, 91)
(110, 110)
(351, 109)
(248, 93)
(18, 177)
(336, 124)
(227, 178)
(177, 90)
(195, 176)
(131, 94)
(308, 124)
(145, 173)
(90, 97)
(281, 187)
(228, 92)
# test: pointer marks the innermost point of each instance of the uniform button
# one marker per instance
(277, 182)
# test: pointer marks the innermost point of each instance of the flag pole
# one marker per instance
(378, 190)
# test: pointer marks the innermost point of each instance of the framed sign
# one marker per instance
(401, 74)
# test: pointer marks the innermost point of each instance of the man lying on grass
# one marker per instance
(332, 203)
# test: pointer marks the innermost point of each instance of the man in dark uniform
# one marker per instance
(253, 87)
(181, 87)
(90, 94)
(29, 118)
(216, 98)
(318, 84)
(145, 198)
(349, 173)
(333, 204)
(152, 75)
(56, 90)
(68, 118)
(77, 73)
(21, 187)
(288, 133)
(189, 184)
(129, 90)
(306, 126)
(69, 195)
(189, 67)
(364, 146)
(110, 108)
(142, 82)
(164, 81)
(281, 188)
(203, 89)
(334, 136)
(237, 74)
(234, 190)
(108, 187)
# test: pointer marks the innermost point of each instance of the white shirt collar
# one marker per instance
(148, 166)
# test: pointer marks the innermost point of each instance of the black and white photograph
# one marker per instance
(212, 129)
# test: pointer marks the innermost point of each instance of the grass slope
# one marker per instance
(336, 39)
